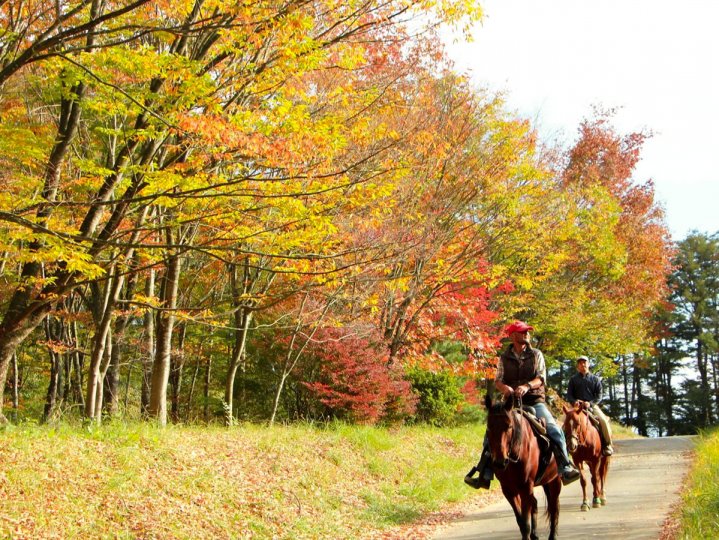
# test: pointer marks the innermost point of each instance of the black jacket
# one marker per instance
(585, 387)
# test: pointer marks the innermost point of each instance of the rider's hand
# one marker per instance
(508, 391)
(521, 390)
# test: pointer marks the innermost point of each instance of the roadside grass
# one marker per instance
(699, 512)
(620, 431)
(134, 480)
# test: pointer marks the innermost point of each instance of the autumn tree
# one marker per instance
(612, 254)
(210, 109)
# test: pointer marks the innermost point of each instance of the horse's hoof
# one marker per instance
(603, 501)
(597, 502)
(585, 507)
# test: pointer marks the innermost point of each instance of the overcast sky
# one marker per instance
(658, 61)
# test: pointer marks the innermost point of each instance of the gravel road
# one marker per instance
(644, 481)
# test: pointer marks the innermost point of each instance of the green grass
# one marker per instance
(296, 482)
(699, 514)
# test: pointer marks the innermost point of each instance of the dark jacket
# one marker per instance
(519, 371)
(585, 387)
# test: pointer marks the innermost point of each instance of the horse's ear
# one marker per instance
(488, 401)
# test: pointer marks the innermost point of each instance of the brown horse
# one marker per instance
(516, 462)
(585, 445)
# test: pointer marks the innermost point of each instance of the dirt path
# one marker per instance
(644, 481)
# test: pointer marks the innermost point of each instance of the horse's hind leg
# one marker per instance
(552, 490)
(603, 470)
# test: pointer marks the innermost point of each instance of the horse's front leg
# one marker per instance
(533, 513)
(603, 468)
(583, 482)
(596, 484)
(518, 504)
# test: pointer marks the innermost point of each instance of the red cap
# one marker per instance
(518, 326)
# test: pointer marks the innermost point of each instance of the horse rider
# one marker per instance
(521, 372)
(585, 388)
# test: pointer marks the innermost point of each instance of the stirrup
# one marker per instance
(570, 476)
(477, 482)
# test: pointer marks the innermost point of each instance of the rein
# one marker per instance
(515, 416)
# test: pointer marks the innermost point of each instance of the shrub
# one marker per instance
(439, 396)
(354, 381)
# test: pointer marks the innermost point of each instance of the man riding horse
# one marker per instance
(521, 372)
(586, 388)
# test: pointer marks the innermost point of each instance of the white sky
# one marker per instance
(658, 61)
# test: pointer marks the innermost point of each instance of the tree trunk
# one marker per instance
(103, 310)
(242, 322)
(78, 366)
(191, 393)
(13, 330)
(627, 401)
(294, 353)
(206, 393)
(165, 324)
(15, 387)
(112, 378)
(149, 358)
(706, 412)
(177, 363)
(641, 422)
(53, 335)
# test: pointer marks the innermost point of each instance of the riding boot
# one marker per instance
(607, 449)
(567, 472)
(484, 468)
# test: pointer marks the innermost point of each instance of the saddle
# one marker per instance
(539, 427)
(594, 419)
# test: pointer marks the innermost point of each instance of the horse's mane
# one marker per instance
(517, 421)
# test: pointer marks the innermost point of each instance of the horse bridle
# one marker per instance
(516, 427)
(580, 429)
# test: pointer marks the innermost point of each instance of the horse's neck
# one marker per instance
(586, 427)
(583, 423)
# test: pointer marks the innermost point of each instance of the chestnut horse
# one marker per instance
(585, 445)
(516, 461)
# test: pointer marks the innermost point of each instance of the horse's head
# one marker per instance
(503, 432)
(575, 426)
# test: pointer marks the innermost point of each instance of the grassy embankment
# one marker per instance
(299, 481)
(285, 482)
(698, 515)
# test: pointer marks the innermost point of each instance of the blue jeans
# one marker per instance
(555, 433)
